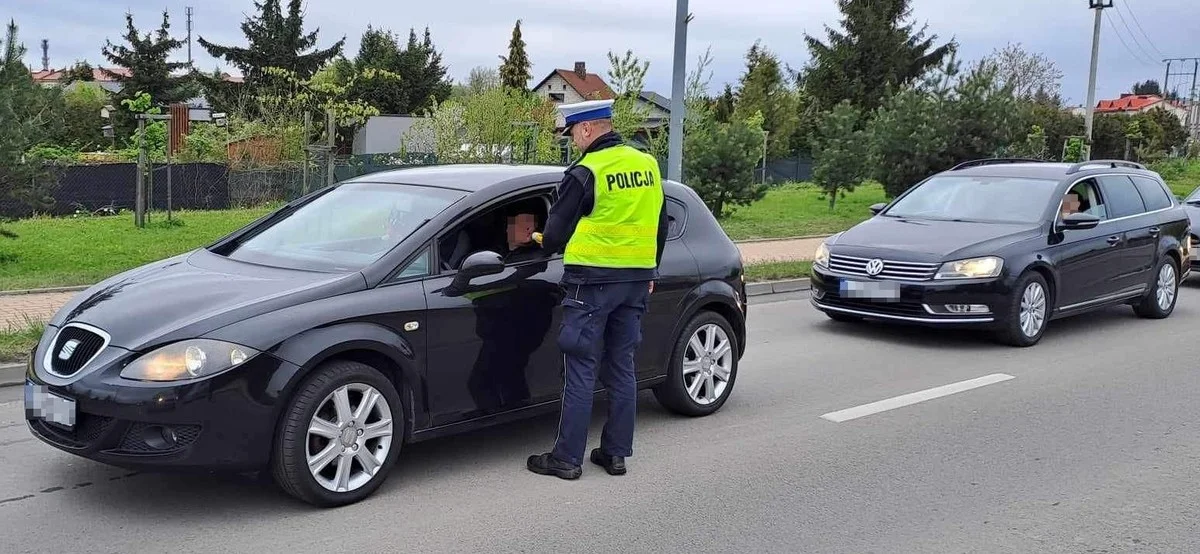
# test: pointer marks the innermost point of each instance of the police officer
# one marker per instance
(610, 221)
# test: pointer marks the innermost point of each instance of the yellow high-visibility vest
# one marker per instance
(622, 230)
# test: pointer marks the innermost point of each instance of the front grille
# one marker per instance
(901, 271)
(901, 308)
(74, 348)
(88, 428)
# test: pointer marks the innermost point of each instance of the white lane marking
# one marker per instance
(915, 397)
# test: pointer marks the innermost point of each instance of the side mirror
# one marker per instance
(480, 264)
(1079, 221)
(876, 208)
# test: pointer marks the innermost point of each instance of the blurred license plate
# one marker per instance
(874, 290)
(42, 404)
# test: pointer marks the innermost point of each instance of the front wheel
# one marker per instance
(1160, 301)
(1028, 312)
(340, 435)
(703, 367)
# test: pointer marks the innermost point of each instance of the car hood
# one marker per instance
(1194, 216)
(925, 240)
(193, 294)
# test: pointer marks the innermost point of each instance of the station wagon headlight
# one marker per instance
(974, 268)
(821, 257)
(187, 360)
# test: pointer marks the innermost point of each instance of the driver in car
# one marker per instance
(521, 247)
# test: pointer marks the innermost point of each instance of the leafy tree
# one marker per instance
(627, 76)
(763, 90)
(719, 161)
(147, 59)
(81, 116)
(29, 114)
(839, 148)
(480, 80)
(984, 113)
(80, 72)
(724, 107)
(875, 53)
(515, 69)
(1148, 87)
(909, 135)
(1027, 73)
(500, 124)
(1174, 135)
(275, 41)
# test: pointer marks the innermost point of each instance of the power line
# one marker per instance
(1133, 35)
(1129, 8)
(1135, 55)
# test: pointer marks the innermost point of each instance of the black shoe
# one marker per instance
(614, 465)
(547, 464)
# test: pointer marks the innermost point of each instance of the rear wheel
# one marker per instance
(339, 436)
(1159, 302)
(703, 367)
(1028, 312)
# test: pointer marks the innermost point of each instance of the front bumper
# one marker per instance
(917, 302)
(226, 422)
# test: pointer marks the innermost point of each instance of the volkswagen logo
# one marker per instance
(875, 267)
(68, 349)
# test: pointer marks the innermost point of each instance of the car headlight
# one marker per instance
(974, 268)
(821, 257)
(188, 360)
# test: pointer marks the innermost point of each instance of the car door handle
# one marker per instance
(1114, 240)
(1154, 231)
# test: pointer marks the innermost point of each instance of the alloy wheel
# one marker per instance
(1165, 291)
(1033, 309)
(349, 437)
(707, 364)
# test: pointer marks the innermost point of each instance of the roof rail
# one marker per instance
(990, 161)
(1110, 163)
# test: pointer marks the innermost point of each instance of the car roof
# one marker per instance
(1055, 171)
(464, 177)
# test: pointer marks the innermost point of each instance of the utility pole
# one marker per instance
(189, 36)
(675, 131)
(331, 131)
(1098, 6)
(1192, 104)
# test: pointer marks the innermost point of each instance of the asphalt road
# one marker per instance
(1093, 445)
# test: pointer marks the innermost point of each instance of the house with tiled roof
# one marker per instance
(1139, 103)
(568, 86)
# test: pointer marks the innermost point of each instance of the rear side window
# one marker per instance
(1121, 197)
(1152, 193)
(676, 217)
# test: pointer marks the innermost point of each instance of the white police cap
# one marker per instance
(586, 111)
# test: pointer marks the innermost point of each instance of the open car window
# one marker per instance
(346, 229)
(503, 229)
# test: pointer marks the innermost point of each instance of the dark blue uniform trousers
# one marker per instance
(601, 331)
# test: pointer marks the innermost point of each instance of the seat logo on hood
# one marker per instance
(875, 267)
(68, 349)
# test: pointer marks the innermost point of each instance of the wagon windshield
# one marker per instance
(976, 198)
(346, 229)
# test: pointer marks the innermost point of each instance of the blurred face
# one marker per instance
(1070, 204)
(521, 228)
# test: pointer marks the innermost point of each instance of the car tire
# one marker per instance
(1160, 301)
(1032, 297)
(710, 394)
(296, 443)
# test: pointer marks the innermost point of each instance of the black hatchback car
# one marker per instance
(1010, 245)
(383, 310)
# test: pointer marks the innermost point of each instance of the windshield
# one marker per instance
(347, 228)
(976, 198)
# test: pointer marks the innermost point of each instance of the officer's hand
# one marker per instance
(651, 287)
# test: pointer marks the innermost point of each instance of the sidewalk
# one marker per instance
(40, 307)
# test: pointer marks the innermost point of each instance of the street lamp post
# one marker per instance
(675, 132)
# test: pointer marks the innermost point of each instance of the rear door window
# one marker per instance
(1152, 193)
(1121, 196)
(677, 217)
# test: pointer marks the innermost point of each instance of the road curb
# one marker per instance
(12, 375)
(776, 287)
(43, 291)
(784, 239)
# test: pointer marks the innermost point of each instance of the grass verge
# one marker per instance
(15, 343)
(51, 252)
(775, 271)
(797, 209)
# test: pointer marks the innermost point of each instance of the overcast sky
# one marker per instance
(560, 32)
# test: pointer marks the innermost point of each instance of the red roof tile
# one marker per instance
(591, 87)
(1128, 103)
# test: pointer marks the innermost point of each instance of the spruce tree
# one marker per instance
(515, 71)
(275, 40)
(146, 60)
